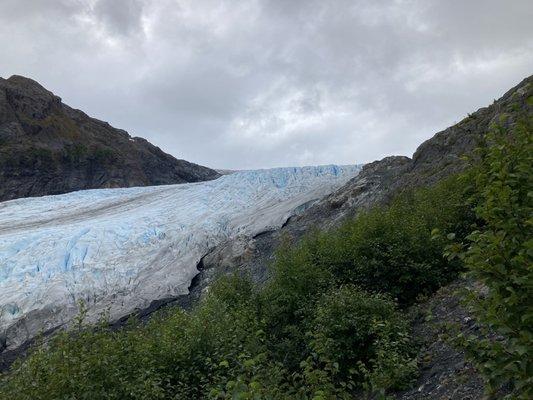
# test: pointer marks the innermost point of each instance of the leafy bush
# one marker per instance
(363, 339)
(288, 301)
(86, 365)
(391, 249)
(220, 350)
(176, 355)
(219, 342)
(500, 255)
(386, 249)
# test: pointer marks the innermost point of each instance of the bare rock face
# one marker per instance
(46, 147)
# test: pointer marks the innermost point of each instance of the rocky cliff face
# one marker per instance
(46, 147)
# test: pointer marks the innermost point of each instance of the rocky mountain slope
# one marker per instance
(46, 147)
(377, 182)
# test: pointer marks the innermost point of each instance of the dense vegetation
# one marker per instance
(329, 323)
(500, 256)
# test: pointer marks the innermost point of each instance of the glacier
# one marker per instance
(118, 250)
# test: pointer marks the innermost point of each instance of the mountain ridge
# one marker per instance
(47, 147)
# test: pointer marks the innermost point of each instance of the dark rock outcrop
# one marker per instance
(46, 147)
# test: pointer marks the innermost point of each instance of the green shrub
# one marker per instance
(33, 157)
(362, 339)
(86, 365)
(223, 339)
(500, 256)
(391, 249)
(386, 250)
(299, 279)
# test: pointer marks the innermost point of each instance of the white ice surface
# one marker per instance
(120, 249)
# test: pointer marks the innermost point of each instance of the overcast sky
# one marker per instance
(252, 84)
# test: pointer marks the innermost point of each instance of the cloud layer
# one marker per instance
(255, 83)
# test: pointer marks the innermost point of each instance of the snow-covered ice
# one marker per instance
(120, 249)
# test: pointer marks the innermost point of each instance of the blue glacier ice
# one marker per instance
(120, 249)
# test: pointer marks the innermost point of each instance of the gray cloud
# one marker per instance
(119, 17)
(265, 83)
